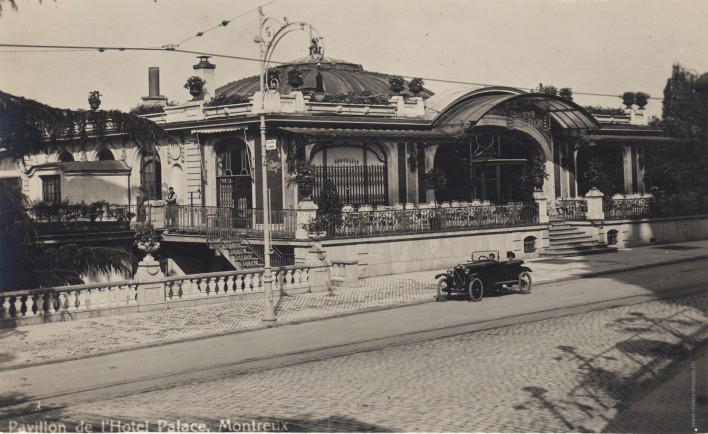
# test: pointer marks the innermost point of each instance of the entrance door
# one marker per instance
(233, 184)
(497, 182)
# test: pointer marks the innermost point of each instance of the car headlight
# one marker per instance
(467, 271)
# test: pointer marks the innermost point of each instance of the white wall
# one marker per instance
(379, 256)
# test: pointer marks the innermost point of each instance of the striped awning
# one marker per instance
(216, 130)
(371, 133)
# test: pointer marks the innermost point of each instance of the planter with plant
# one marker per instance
(641, 99)
(147, 239)
(195, 85)
(303, 177)
(628, 99)
(94, 99)
(295, 78)
(147, 109)
(396, 83)
(435, 180)
(533, 178)
(416, 85)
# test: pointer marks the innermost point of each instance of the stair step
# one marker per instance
(568, 236)
(570, 243)
(594, 251)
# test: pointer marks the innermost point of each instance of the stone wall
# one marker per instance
(379, 256)
(639, 232)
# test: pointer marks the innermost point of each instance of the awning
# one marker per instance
(215, 130)
(613, 139)
(371, 133)
(87, 167)
(462, 110)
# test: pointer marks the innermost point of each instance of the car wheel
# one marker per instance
(476, 289)
(525, 282)
(443, 290)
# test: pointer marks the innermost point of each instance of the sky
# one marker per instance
(602, 47)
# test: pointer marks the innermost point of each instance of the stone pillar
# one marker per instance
(151, 286)
(156, 213)
(320, 268)
(542, 203)
(594, 200)
(627, 169)
(307, 211)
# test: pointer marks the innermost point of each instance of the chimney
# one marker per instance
(154, 96)
(205, 70)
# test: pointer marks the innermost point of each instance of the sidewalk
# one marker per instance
(45, 343)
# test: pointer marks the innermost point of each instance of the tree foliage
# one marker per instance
(329, 204)
(679, 168)
(29, 127)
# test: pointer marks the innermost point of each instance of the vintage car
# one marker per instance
(485, 272)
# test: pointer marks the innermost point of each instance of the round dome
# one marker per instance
(339, 76)
(701, 84)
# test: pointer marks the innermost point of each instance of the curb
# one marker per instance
(334, 315)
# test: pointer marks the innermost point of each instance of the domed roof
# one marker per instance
(701, 83)
(339, 76)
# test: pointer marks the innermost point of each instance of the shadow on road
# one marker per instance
(642, 383)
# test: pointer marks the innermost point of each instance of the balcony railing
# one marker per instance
(390, 221)
(636, 206)
(54, 218)
(203, 219)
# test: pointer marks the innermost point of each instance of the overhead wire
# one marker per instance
(253, 59)
(223, 23)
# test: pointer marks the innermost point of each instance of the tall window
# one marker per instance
(51, 188)
(151, 178)
(105, 155)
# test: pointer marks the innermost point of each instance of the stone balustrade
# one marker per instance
(345, 273)
(83, 301)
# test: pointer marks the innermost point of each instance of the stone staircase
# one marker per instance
(566, 240)
(237, 253)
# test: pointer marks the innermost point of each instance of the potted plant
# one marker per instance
(147, 239)
(396, 83)
(641, 99)
(94, 99)
(435, 179)
(195, 85)
(628, 99)
(538, 173)
(295, 78)
(416, 85)
(272, 78)
(304, 178)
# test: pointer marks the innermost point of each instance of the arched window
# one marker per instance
(612, 237)
(65, 157)
(529, 244)
(105, 155)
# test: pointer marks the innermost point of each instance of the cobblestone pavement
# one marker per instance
(75, 339)
(64, 340)
(584, 372)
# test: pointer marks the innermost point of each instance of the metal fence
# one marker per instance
(356, 185)
(620, 208)
(202, 219)
(569, 208)
(421, 220)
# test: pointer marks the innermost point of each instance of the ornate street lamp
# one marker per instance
(272, 31)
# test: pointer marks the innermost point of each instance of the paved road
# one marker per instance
(533, 367)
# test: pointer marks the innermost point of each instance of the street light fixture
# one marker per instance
(272, 31)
